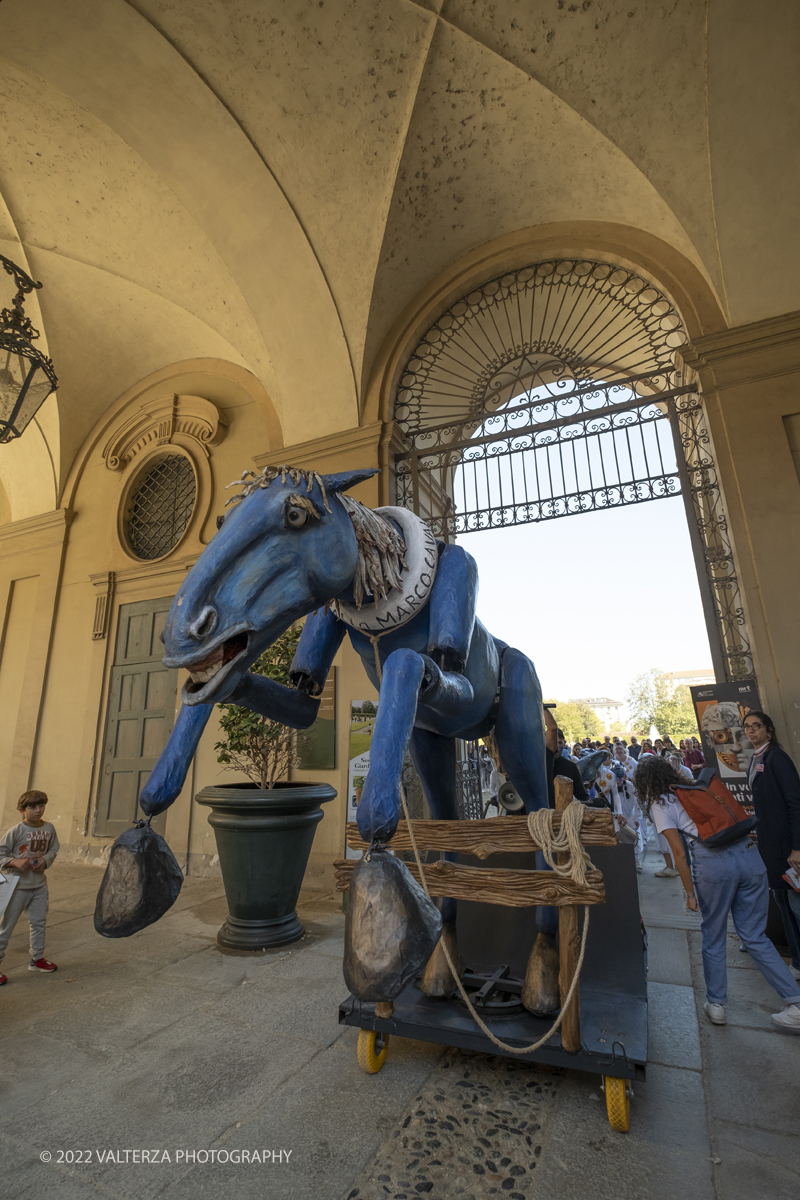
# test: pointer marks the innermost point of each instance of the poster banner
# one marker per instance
(362, 727)
(317, 746)
(720, 709)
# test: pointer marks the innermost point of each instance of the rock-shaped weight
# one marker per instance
(141, 882)
(390, 930)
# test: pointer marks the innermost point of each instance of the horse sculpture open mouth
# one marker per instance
(206, 674)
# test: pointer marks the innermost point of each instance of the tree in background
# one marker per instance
(676, 715)
(576, 720)
(653, 700)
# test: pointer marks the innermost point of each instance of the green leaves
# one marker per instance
(262, 749)
(653, 700)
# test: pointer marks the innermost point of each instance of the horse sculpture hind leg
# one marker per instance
(434, 759)
(519, 733)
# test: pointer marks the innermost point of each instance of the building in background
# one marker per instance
(610, 712)
(691, 678)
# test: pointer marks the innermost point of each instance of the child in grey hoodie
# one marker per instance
(26, 851)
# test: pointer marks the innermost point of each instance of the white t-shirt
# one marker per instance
(669, 813)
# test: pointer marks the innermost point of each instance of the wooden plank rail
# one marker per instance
(496, 835)
(490, 885)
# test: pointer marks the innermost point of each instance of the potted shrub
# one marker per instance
(263, 828)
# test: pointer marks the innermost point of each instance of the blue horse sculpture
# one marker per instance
(295, 546)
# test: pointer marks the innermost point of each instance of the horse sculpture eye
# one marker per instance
(296, 517)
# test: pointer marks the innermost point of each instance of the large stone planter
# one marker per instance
(263, 840)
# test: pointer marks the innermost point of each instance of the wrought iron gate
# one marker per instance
(554, 390)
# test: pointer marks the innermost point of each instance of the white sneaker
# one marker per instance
(715, 1013)
(666, 873)
(788, 1018)
(795, 972)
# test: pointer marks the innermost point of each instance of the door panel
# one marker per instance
(141, 711)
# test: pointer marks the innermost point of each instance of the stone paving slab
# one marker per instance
(673, 1038)
(752, 1076)
(756, 1164)
(668, 956)
(185, 1087)
(664, 1156)
(330, 1115)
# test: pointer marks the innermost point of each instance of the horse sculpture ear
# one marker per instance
(344, 480)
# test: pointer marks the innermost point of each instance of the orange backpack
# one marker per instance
(718, 815)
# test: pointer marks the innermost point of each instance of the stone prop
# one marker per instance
(294, 546)
(390, 930)
(142, 880)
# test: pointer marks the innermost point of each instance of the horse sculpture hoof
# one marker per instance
(437, 978)
(540, 993)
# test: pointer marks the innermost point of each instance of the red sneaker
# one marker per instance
(3, 979)
(42, 965)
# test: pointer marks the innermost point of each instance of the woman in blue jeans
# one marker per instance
(730, 880)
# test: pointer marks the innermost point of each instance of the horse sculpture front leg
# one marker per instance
(408, 679)
(255, 692)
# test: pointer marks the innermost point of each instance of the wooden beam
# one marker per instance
(496, 835)
(495, 885)
(568, 941)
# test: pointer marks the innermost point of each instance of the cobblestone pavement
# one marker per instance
(476, 1129)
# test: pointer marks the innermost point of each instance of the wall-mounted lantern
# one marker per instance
(26, 375)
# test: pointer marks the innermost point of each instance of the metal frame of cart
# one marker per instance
(496, 884)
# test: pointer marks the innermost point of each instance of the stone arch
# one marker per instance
(669, 269)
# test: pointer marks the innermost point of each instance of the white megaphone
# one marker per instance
(509, 798)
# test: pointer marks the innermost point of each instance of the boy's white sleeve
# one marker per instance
(53, 851)
(7, 848)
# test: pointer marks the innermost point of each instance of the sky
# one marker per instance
(597, 598)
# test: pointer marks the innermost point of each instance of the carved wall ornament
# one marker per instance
(169, 420)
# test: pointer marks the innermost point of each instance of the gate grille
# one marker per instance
(554, 390)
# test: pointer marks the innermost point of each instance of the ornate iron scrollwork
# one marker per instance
(544, 393)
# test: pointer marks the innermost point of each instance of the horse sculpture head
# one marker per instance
(287, 547)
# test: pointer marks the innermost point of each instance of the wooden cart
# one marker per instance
(496, 883)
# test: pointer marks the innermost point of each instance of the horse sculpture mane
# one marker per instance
(381, 549)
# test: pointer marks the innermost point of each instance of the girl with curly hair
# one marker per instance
(731, 879)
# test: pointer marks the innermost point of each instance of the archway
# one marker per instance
(553, 389)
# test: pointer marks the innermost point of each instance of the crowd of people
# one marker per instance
(612, 785)
(648, 786)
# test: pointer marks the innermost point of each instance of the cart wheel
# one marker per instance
(371, 1050)
(618, 1103)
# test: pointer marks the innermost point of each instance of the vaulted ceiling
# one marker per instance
(273, 182)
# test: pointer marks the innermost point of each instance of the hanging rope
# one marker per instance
(549, 844)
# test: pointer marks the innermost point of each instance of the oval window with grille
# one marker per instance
(159, 506)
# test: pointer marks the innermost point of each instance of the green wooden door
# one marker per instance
(141, 713)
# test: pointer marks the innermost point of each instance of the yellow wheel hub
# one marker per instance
(618, 1104)
(372, 1050)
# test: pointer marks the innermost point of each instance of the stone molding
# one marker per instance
(104, 587)
(131, 577)
(364, 438)
(159, 423)
(41, 531)
(747, 353)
